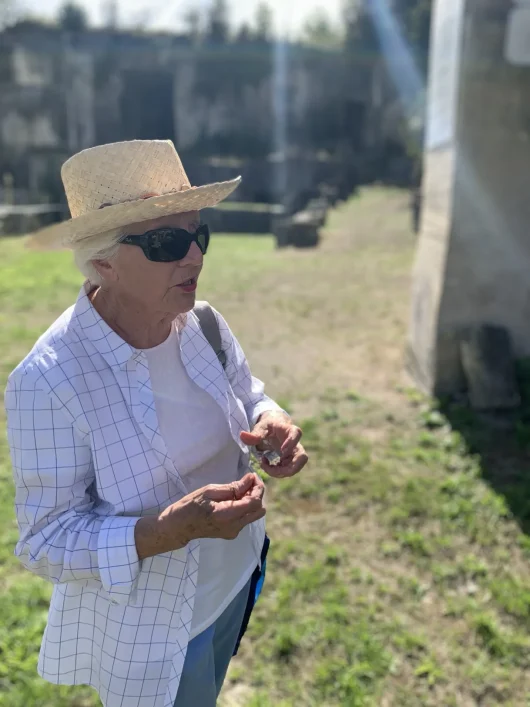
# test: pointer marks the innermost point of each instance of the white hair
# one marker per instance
(103, 246)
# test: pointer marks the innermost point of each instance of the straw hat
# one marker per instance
(111, 186)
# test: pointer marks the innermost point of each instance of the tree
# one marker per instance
(8, 13)
(264, 23)
(73, 18)
(111, 15)
(193, 24)
(414, 16)
(244, 34)
(218, 22)
(361, 36)
(318, 31)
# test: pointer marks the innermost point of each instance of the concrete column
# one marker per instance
(473, 258)
(80, 111)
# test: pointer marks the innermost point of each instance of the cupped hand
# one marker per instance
(217, 510)
(276, 431)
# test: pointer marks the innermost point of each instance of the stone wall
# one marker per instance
(61, 93)
(491, 206)
(473, 256)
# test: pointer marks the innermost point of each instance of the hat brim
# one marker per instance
(69, 233)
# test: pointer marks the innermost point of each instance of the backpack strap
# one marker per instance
(210, 329)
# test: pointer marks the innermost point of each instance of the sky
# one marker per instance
(165, 14)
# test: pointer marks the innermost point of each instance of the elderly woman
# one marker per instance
(130, 437)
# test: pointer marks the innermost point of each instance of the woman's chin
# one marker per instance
(186, 302)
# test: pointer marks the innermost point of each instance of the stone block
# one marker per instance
(488, 363)
(300, 231)
(473, 256)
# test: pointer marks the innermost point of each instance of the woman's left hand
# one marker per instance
(275, 430)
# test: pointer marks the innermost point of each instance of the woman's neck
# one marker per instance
(140, 329)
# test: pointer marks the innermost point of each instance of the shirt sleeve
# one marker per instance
(246, 387)
(62, 538)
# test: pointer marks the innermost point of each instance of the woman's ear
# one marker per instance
(105, 270)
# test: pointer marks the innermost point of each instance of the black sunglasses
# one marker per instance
(165, 245)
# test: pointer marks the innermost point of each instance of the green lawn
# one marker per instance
(399, 572)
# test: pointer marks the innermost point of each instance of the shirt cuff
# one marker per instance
(119, 564)
(264, 406)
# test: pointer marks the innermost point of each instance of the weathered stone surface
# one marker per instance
(64, 93)
(25, 219)
(61, 92)
(488, 363)
(234, 220)
(319, 208)
(473, 258)
(300, 230)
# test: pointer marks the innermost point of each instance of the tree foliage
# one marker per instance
(415, 18)
(360, 35)
(111, 16)
(193, 24)
(218, 22)
(412, 16)
(244, 34)
(8, 12)
(318, 31)
(73, 18)
(264, 23)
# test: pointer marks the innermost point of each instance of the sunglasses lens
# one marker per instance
(203, 234)
(177, 249)
(203, 242)
(166, 248)
(168, 245)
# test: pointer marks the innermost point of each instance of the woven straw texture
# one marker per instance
(112, 186)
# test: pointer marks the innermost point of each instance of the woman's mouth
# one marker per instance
(189, 286)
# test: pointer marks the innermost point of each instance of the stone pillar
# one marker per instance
(473, 258)
(80, 108)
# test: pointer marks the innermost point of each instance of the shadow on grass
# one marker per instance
(502, 441)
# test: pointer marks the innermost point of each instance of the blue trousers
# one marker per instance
(209, 656)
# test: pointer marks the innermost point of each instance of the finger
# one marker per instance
(226, 512)
(259, 484)
(266, 465)
(285, 461)
(293, 438)
(244, 485)
(253, 517)
(227, 492)
(219, 494)
(251, 439)
(294, 467)
(259, 489)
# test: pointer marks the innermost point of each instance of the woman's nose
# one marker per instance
(193, 256)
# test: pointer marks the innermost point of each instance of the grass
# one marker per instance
(398, 572)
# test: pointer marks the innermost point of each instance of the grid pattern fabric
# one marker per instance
(89, 461)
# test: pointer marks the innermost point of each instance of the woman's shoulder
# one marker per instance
(51, 350)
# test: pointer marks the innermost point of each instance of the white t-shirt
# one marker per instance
(198, 439)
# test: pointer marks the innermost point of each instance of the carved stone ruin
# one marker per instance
(473, 259)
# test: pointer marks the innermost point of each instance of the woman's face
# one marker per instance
(156, 287)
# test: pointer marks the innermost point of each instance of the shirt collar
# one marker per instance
(116, 352)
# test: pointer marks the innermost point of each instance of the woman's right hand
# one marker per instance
(217, 510)
(214, 511)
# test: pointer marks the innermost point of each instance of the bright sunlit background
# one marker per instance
(398, 570)
(159, 14)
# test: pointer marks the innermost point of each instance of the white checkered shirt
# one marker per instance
(88, 461)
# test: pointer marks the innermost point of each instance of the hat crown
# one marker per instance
(120, 172)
